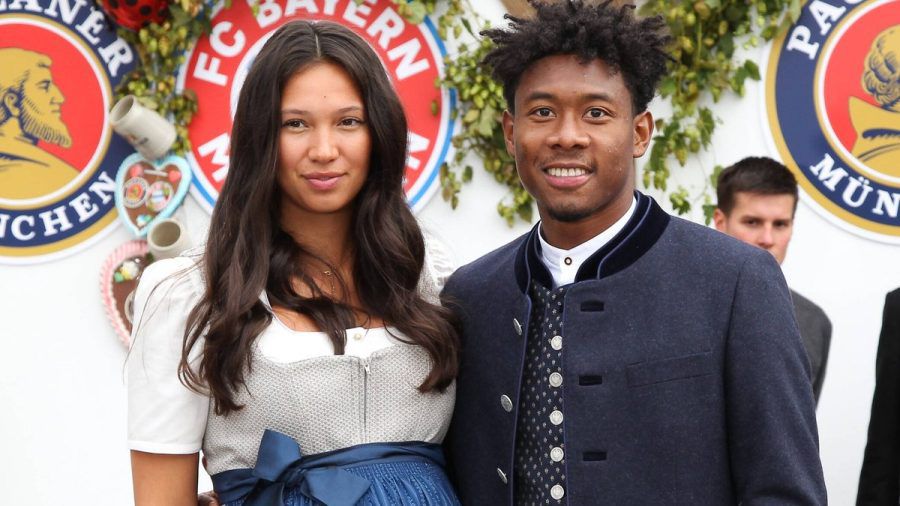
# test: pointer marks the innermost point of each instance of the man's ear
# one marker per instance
(10, 102)
(643, 131)
(508, 121)
(719, 219)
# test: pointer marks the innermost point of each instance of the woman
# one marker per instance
(305, 352)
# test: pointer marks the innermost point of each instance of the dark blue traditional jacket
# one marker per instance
(685, 378)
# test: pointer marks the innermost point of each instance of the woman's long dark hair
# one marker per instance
(248, 251)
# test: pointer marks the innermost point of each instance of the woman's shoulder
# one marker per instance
(186, 267)
(181, 275)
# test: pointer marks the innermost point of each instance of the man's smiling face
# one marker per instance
(574, 136)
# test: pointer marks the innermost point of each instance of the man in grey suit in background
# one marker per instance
(757, 199)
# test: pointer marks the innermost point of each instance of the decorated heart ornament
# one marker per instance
(119, 277)
(148, 192)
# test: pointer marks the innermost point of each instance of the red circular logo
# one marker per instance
(58, 158)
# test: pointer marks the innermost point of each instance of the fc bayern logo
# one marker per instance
(833, 96)
(58, 158)
(412, 54)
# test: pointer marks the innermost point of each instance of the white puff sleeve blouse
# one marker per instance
(165, 416)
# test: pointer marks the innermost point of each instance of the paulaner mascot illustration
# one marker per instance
(30, 112)
(878, 128)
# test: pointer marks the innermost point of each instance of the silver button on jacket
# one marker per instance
(557, 492)
(506, 402)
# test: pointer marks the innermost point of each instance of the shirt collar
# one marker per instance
(563, 265)
(640, 234)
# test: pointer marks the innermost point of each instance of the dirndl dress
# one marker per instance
(372, 437)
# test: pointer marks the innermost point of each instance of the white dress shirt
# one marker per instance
(563, 264)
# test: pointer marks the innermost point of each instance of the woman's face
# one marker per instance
(323, 142)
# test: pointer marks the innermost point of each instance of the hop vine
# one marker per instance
(161, 49)
(707, 34)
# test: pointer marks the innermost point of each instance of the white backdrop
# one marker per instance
(62, 428)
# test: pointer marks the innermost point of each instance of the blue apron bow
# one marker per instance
(281, 466)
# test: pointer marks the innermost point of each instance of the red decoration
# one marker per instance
(134, 14)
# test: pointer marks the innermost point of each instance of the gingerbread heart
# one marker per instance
(118, 280)
(147, 192)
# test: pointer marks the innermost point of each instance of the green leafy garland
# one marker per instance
(706, 33)
(161, 49)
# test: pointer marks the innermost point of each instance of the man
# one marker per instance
(879, 480)
(605, 359)
(30, 112)
(757, 200)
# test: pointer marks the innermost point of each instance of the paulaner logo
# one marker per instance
(833, 97)
(412, 55)
(58, 159)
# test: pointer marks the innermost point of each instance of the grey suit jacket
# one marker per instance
(815, 329)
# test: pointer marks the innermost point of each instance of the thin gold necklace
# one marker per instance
(330, 275)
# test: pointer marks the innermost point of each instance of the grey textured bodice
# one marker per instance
(330, 402)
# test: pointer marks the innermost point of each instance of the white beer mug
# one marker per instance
(149, 133)
(167, 239)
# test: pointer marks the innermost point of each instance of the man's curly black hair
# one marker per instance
(634, 46)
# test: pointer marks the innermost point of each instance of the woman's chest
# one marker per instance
(331, 402)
